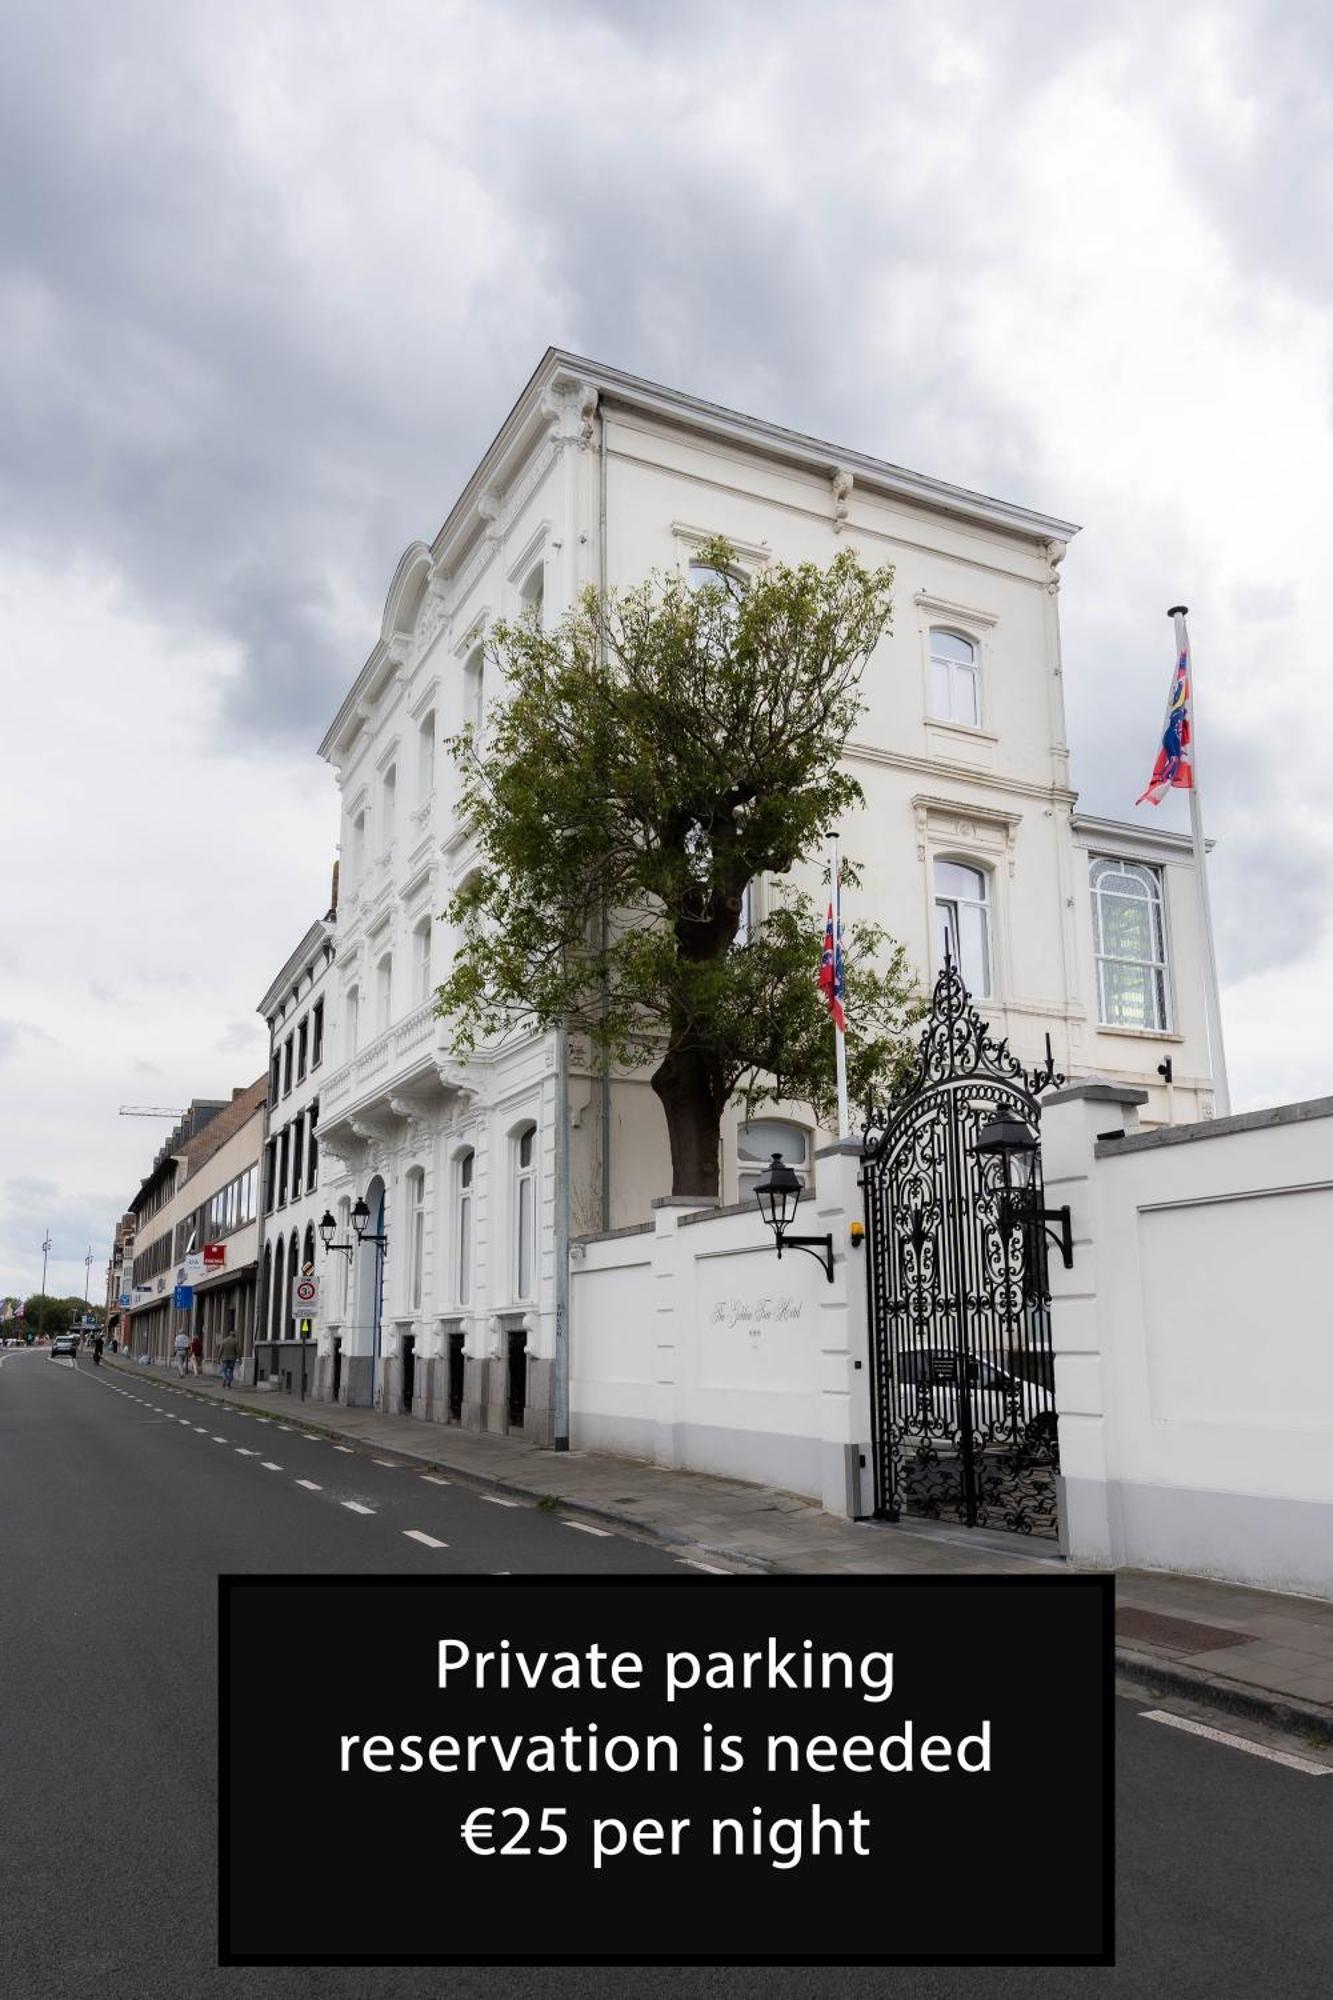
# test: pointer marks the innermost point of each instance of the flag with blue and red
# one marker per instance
(830, 972)
(1173, 766)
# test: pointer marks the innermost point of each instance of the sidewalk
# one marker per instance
(1256, 1653)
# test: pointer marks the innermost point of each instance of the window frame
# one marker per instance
(416, 1238)
(465, 1182)
(1124, 865)
(955, 669)
(986, 904)
(525, 1205)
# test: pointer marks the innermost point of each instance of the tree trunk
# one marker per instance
(690, 1088)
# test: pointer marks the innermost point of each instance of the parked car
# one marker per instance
(65, 1343)
(928, 1384)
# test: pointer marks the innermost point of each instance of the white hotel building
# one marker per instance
(969, 828)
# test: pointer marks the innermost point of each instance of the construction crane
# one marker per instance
(150, 1111)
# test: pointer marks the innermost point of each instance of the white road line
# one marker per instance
(312, 1437)
(202, 1427)
(355, 1507)
(392, 1463)
(343, 1447)
(243, 1452)
(1292, 1762)
(431, 1480)
(709, 1569)
(310, 1486)
(218, 1440)
(494, 1500)
(586, 1528)
(427, 1541)
(269, 1466)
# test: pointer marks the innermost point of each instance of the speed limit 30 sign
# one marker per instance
(305, 1298)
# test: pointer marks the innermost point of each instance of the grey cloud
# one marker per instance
(1263, 603)
(30, 1208)
(14, 1033)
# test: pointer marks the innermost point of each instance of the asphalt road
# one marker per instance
(120, 1502)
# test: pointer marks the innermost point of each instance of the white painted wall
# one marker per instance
(694, 1346)
(1194, 1340)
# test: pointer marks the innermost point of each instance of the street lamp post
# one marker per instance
(41, 1309)
(1014, 1142)
(361, 1224)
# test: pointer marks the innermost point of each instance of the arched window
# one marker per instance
(389, 803)
(962, 914)
(293, 1273)
(533, 594)
(700, 573)
(352, 1012)
(312, 1163)
(279, 1292)
(416, 1225)
(463, 1226)
(756, 1144)
(426, 757)
(955, 678)
(265, 1290)
(474, 689)
(525, 1212)
(358, 856)
(384, 993)
(421, 942)
(1129, 939)
(308, 1247)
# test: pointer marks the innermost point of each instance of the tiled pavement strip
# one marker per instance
(1258, 1654)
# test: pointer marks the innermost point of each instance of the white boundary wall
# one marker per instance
(693, 1346)
(1194, 1339)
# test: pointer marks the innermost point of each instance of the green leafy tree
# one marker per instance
(44, 1314)
(655, 752)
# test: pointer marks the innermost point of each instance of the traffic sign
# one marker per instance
(305, 1298)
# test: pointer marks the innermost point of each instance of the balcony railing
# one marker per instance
(387, 1052)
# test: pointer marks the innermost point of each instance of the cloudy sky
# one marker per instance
(271, 275)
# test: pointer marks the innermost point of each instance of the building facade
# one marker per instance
(296, 1009)
(1077, 929)
(196, 1231)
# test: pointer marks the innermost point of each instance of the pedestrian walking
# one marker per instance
(181, 1349)
(197, 1354)
(228, 1355)
(97, 1350)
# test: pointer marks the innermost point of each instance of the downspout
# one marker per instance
(606, 920)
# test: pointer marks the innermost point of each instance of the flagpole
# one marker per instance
(839, 1036)
(1212, 996)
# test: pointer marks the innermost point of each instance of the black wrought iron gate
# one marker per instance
(962, 1373)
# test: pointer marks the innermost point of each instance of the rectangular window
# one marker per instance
(421, 940)
(287, 1052)
(417, 1204)
(302, 1045)
(312, 1164)
(298, 1154)
(526, 1213)
(465, 1171)
(426, 757)
(270, 1175)
(283, 1147)
(317, 1035)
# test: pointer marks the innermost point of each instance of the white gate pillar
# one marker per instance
(843, 1332)
(1071, 1122)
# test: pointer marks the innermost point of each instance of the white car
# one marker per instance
(1000, 1403)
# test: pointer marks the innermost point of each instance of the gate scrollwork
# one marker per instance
(962, 1372)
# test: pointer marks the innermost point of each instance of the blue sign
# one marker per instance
(183, 1297)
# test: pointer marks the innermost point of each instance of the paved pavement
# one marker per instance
(1258, 1654)
(120, 1501)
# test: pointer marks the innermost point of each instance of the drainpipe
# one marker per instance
(560, 1435)
(606, 919)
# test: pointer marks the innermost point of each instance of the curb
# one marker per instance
(1287, 1712)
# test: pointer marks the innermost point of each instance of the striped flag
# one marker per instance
(830, 972)
(1174, 764)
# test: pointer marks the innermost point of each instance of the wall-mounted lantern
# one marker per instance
(778, 1195)
(1014, 1142)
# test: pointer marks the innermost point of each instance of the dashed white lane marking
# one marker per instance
(709, 1569)
(310, 1486)
(343, 1447)
(355, 1507)
(221, 1440)
(391, 1463)
(586, 1528)
(269, 1466)
(202, 1427)
(495, 1500)
(1287, 1757)
(243, 1452)
(427, 1541)
(431, 1480)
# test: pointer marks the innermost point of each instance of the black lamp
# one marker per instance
(1012, 1140)
(778, 1196)
(360, 1216)
(327, 1229)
